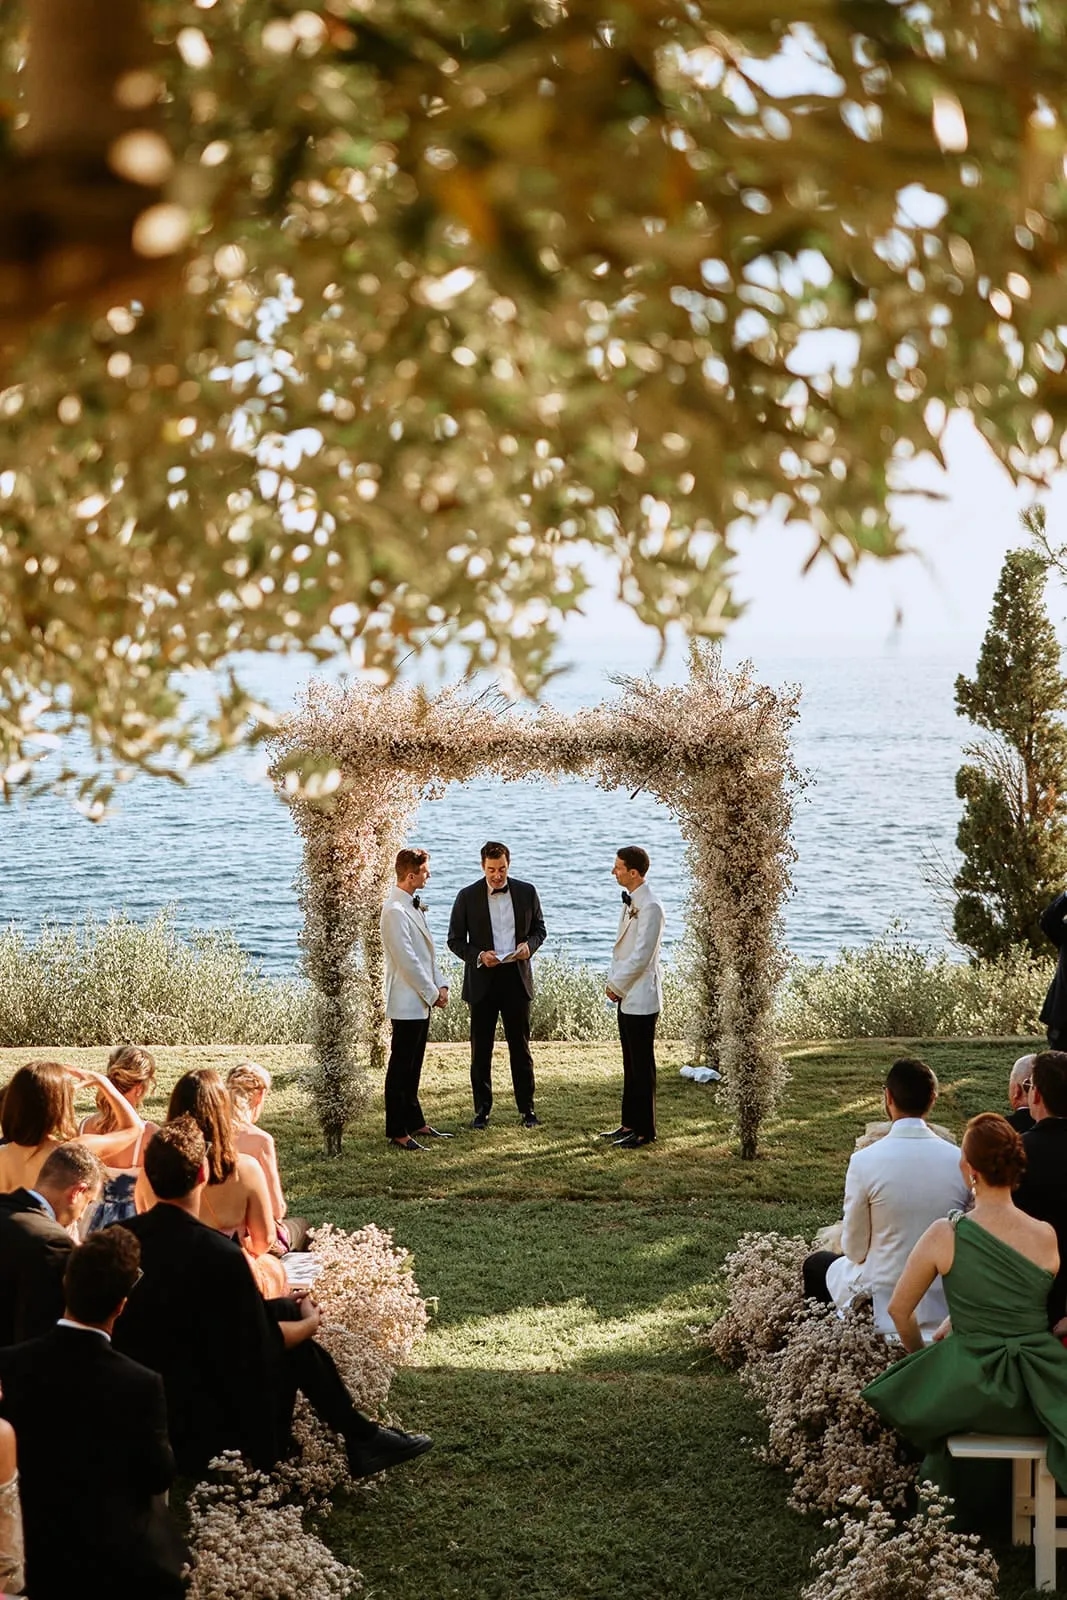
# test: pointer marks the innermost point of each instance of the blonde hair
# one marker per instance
(243, 1083)
(127, 1066)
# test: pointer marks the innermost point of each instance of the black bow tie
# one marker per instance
(625, 898)
(505, 890)
(416, 902)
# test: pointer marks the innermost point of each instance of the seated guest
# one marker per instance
(132, 1071)
(1018, 1092)
(998, 1370)
(236, 1201)
(1043, 1190)
(38, 1115)
(894, 1189)
(35, 1243)
(248, 1085)
(231, 1362)
(11, 1562)
(107, 1530)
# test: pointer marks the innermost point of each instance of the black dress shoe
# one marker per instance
(530, 1121)
(432, 1133)
(616, 1134)
(387, 1448)
(407, 1144)
(633, 1141)
(481, 1121)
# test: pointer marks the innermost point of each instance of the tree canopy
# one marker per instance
(358, 324)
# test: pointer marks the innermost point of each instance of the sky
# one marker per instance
(934, 600)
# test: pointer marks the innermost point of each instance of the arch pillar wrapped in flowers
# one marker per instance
(354, 763)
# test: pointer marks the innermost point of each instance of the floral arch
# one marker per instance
(355, 762)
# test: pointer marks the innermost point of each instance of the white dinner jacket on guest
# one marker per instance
(635, 969)
(412, 979)
(894, 1189)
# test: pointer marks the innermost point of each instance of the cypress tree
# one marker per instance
(1013, 833)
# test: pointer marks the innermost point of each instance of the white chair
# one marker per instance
(1034, 1502)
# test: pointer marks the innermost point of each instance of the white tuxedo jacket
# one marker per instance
(635, 969)
(412, 979)
(893, 1191)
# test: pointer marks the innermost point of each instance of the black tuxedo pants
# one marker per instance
(403, 1114)
(309, 1368)
(508, 1002)
(637, 1035)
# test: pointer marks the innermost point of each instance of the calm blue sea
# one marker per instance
(877, 735)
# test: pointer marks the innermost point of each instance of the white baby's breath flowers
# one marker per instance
(924, 1558)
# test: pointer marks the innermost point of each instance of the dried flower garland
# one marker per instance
(355, 762)
(874, 1558)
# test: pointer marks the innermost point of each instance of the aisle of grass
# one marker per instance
(582, 1447)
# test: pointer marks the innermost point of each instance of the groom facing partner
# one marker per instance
(635, 985)
(495, 929)
(413, 988)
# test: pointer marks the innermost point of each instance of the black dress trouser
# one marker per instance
(309, 1368)
(403, 1113)
(507, 1001)
(637, 1035)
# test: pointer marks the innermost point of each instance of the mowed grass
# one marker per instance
(584, 1446)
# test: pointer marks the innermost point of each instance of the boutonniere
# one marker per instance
(631, 912)
(420, 904)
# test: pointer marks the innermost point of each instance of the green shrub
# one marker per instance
(896, 988)
(102, 981)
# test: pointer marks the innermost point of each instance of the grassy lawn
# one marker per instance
(583, 1448)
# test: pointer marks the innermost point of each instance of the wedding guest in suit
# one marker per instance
(894, 1190)
(38, 1114)
(1054, 1010)
(109, 1532)
(413, 987)
(231, 1362)
(35, 1243)
(635, 985)
(495, 929)
(1019, 1094)
(1042, 1192)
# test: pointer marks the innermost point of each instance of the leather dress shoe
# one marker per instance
(432, 1133)
(407, 1144)
(616, 1134)
(530, 1121)
(634, 1141)
(481, 1121)
(387, 1448)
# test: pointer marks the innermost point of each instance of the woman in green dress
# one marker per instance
(994, 1366)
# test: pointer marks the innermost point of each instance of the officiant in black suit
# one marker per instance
(495, 928)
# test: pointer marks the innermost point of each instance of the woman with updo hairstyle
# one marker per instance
(38, 1114)
(248, 1085)
(132, 1071)
(995, 1366)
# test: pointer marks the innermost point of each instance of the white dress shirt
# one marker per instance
(894, 1189)
(635, 969)
(502, 918)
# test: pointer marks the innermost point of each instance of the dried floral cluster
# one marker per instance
(356, 761)
(819, 1427)
(875, 1558)
(764, 1293)
(246, 1543)
(372, 1317)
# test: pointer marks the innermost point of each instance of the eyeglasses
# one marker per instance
(136, 1281)
(1028, 1084)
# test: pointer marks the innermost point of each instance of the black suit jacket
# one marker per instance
(1053, 926)
(470, 932)
(94, 1463)
(34, 1251)
(1043, 1194)
(1021, 1120)
(198, 1320)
